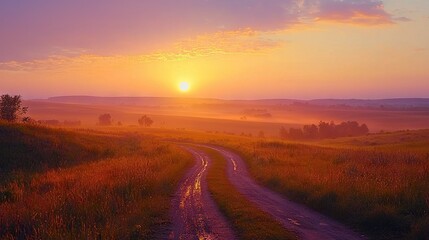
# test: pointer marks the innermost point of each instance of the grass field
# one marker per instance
(376, 183)
(248, 221)
(381, 190)
(79, 180)
(85, 185)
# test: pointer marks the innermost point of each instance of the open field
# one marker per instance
(66, 184)
(238, 117)
(376, 183)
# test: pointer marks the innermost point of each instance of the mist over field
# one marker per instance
(214, 119)
(236, 116)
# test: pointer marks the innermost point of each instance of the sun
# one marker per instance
(184, 86)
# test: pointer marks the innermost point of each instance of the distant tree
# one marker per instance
(11, 108)
(145, 121)
(105, 119)
(261, 134)
(364, 129)
(310, 131)
(327, 130)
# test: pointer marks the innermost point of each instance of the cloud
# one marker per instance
(401, 19)
(47, 28)
(362, 12)
(244, 41)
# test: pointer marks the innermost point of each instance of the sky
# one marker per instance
(232, 49)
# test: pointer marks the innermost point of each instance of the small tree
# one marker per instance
(145, 121)
(11, 107)
(105, 119)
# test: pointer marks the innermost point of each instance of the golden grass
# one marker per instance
(126, 196)
(248, 221)
(382, 191)
(377, 184)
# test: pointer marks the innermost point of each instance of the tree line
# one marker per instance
(325, 130)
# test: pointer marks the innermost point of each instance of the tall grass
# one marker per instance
(381, 191)
(125, 195)
(32, 149)
(377, 184)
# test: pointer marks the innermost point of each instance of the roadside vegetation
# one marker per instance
(83, 184)
(248, 221)
(377, 184)
(381, 190)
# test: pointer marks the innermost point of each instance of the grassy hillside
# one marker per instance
(30, 148)
(85, 185)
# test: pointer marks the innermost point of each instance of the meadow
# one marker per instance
(84, 184)
(376, 184)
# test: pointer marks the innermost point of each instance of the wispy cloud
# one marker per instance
(244, 41)
(115, 29)
(362, 12)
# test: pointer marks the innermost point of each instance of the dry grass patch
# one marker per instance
(125, 196)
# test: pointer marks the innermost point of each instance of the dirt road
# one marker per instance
(194, 214)
(308, 224)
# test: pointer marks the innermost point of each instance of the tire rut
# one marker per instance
(194, 213)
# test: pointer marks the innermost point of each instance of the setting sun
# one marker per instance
(184, 86)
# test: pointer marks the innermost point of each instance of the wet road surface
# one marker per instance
(194, 213)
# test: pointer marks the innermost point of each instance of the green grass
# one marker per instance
(249, 222)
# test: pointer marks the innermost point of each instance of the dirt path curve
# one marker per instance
(194, 213)
(308, 224)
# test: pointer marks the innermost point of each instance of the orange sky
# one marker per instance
(243, 49)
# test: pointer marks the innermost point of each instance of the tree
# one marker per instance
(310, 131)
(327, 130)
(364, 129)
(11, 107)
(145, 121)
(105, 119)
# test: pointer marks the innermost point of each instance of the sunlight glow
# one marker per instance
(184, 86)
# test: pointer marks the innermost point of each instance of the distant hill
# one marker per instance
(394, 102)
(133, 101)
(165, 101)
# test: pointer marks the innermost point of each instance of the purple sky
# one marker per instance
(224, 48)
(40, 28)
